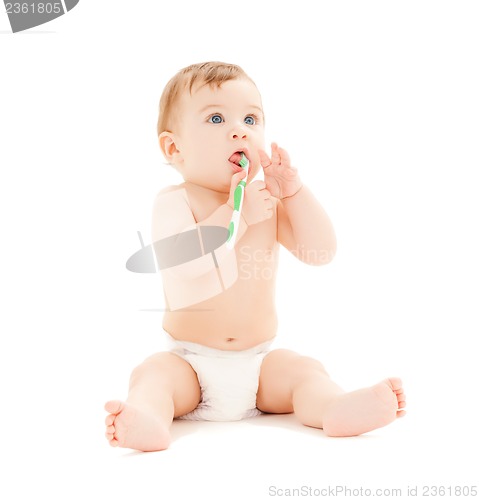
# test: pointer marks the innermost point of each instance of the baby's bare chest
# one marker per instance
(257, 254)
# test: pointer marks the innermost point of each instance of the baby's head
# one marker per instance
(209, 111)
(189, 79)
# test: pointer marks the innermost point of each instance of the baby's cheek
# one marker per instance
(254, 169)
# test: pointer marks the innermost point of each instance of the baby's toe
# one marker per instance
(395, 384)
(109, 420)
(114, 443)
(114, 407)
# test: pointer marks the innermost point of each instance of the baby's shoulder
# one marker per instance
(169, 194)
(171, 200)
(169, 189)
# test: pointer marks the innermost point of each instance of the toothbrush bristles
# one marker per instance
(243, 163)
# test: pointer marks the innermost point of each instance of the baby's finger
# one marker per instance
(236, 179)
(264, 159)
(275, 153)
(285, 160)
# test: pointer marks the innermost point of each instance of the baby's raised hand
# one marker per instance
(282, 180)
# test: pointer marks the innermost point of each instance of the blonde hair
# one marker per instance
(207, 73)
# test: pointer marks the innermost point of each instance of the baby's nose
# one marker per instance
(238, 133)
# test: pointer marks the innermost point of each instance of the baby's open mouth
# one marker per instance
(236, 157)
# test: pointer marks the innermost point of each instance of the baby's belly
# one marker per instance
(226, 322)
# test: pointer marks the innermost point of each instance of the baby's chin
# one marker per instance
(220, 185)
(221, 188)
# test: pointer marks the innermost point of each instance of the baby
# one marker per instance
(221, 318)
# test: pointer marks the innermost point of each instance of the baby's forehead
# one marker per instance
(232, 92)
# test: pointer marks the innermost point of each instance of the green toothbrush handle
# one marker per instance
(238, 196)
(235, 218)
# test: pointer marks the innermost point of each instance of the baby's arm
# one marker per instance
(182, 244)
(304, 228)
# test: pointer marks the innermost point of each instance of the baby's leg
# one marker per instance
(290, 382)
(164, 386)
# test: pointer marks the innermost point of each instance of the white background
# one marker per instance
(377, 104)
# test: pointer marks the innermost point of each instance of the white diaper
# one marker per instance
(228, 379)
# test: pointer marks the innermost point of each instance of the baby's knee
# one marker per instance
(156, 364)
(307, 366)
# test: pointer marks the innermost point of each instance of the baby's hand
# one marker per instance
(282, 180)
(257, 202)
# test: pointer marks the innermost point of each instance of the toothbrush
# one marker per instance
(238, 204)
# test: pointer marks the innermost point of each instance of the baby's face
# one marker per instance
(214, 123)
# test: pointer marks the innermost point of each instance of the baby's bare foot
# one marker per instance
(129, 427)
(364, 410)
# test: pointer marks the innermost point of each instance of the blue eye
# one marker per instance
(249, 120)
(216, 119)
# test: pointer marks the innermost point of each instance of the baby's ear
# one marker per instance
(169, 148)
